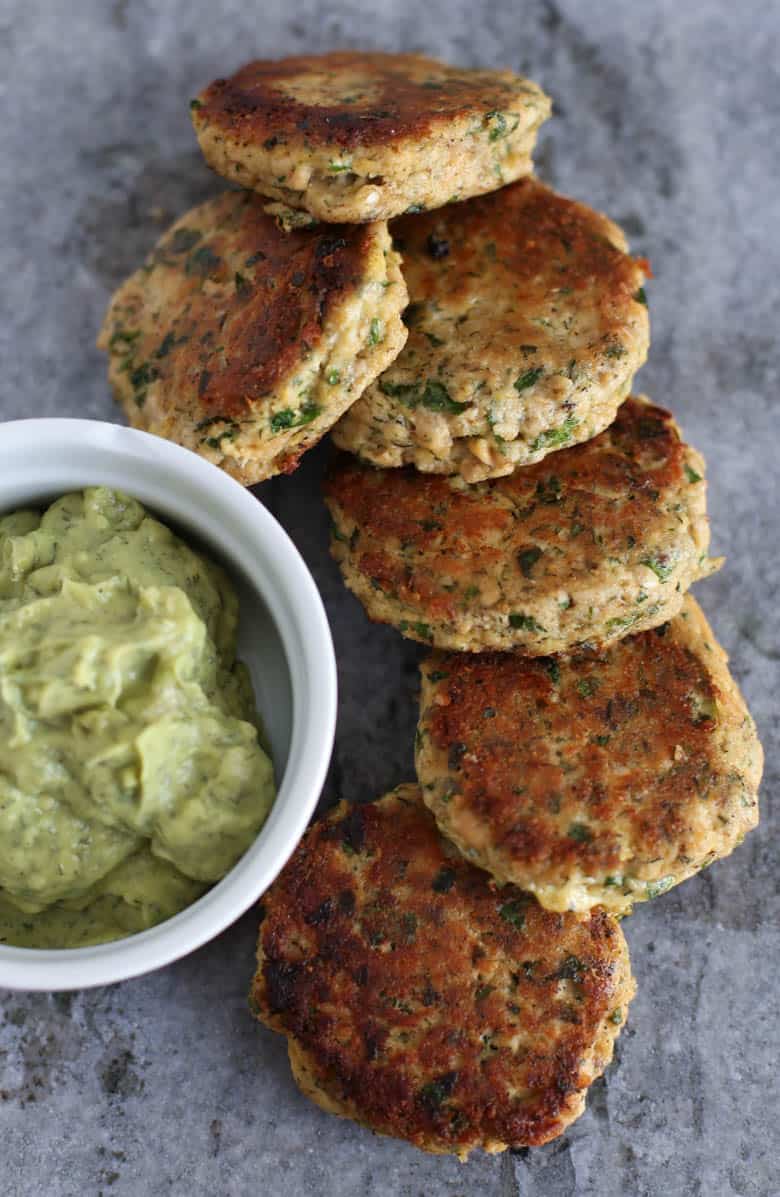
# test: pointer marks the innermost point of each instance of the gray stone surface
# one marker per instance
(667, 118)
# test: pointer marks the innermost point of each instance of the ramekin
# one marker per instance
(284, 638)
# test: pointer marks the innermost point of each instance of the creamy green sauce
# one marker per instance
(132, 775)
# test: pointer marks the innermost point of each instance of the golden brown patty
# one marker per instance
(527, 323)
(354, 136)
(423, 1001)
(604, 777)
(588, 544)
(246, 343)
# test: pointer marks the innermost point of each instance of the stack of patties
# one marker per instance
(446, 962)
(251, 328)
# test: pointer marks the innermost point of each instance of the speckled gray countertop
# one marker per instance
(667, 118)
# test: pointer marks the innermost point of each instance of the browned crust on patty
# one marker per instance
(353, 136)
(602, 777)
(587, 544)
(542, 243)
(251, 106)
(376, 934)
(206, 339)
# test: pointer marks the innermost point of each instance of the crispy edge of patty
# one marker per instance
(234, 430)
(564, 879)
(344, 164)
(600, 603)
(325, 1069)
(467, 395)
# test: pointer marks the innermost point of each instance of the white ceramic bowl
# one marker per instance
(284, 638)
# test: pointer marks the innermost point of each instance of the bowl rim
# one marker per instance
(295, 606)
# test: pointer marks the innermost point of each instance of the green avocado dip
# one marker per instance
(131, 773)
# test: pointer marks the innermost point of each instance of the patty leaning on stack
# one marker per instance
(445, 961)
(527, 323)
(245, 342)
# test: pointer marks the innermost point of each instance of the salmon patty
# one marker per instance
(589, 544)
(527, 323)
(600, 778)
(354, 136)
(245, 342)
(423, 1001)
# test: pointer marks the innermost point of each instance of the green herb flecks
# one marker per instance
(527, 559)
(518, 619)
(572, 969)
(433, 395)
(333, 377)
(618, 621)
(376, 332)
(528, 378)
(436, 397)
(228, 433)
(437, 675)
(123, 338)
(641, 296)
(661, 566)
(691, 474)
(555, 437)
(443, 881)
(616, 1017)
(654, 888)
(514, 912)
(203, 262)
(142, 375)
(166, 345)
(141, 378)
(421, 629)
(553, 670)
(406, 392)
(281, 420)
(409, 393)
(495, 123)
(587, 686)
(183, 240)
(435, 1093)
(548, 490)
(337, 167)
(580, 833)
